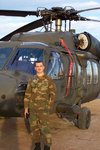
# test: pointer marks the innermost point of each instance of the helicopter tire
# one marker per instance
(84, 118)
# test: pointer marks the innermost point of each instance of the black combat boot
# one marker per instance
(37, 146)
(46, 147)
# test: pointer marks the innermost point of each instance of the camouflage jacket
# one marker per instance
(40, 93)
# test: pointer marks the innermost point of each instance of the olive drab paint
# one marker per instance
(74, 65)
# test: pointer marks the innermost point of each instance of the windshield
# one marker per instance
(25, 58)
(4, 54)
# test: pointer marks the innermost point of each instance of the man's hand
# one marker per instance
(26, 113)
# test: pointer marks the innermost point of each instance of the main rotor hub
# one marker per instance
(57, 14)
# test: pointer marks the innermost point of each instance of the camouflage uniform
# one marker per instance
(39, 98)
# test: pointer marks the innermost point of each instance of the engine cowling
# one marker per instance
(87, 42)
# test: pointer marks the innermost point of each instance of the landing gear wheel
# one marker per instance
(84, 118)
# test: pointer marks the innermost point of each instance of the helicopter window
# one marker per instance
(4, 54)
(79, 70)
(89, 72)
(25, 58)
(95, 73)
(79, 74)
(55, 66)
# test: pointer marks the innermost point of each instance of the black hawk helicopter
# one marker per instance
(71, 60)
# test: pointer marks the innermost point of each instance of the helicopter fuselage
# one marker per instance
(71, 60)
(77, 76)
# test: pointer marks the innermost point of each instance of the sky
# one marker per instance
(9, 24)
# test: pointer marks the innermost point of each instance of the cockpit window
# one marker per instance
(55, 66)
(25, 58)
(4, 54)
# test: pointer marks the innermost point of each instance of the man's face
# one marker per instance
(39, 67)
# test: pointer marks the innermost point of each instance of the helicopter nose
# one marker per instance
(7, 85)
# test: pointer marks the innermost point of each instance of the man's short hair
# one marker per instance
(38, 61)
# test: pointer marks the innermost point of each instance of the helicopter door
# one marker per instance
(16, 76)
(92, 80)
(56, 72)
(70, 79)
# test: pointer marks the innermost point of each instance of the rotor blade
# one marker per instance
(87, 19)
(89, 9)
(28, 27)
(17, 13)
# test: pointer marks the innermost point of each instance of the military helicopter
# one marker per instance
(71, 60)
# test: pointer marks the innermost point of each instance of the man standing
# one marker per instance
(39, 98)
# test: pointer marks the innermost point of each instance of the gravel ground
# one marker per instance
(14, 136)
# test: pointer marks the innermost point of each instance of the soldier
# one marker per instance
(39, 99)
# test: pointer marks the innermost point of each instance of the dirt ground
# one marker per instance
(14, 136)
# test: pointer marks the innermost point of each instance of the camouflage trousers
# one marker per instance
(39, 126)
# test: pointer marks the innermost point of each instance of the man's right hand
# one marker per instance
(26, 113)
